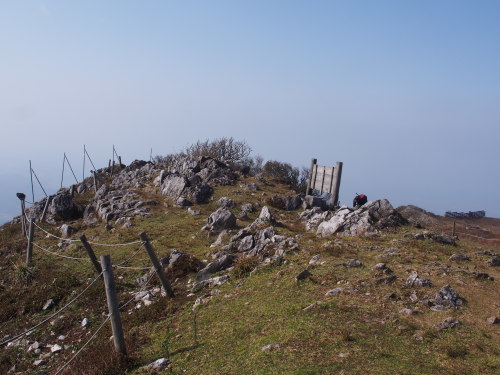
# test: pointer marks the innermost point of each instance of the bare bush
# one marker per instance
(285, 173)
(224, 149)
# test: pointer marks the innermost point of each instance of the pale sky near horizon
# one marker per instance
(405, 93)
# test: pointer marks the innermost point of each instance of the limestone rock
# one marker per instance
(334, 292)
(67, 230)
(446, 324)
(63, 207)
(220, 220)
(415, 281)
(353, 263)
(48, 305)
(493, 320)
(370, 217)
(160, 364)
(459, 258)
(225, 202)
(173, 186)
(447, 297)
(220, 264)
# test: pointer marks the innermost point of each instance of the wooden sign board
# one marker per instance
(325, 179)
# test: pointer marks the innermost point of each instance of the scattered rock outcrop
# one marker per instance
(370, 217)
(417, 216)
(221, 219)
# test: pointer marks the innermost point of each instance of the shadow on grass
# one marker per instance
(186, 349)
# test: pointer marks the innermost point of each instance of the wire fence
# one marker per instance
(63, 367)
(123, 265)
(16, 337)
(459, 233)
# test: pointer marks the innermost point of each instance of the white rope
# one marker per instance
(52, 315)
(92, 243)
(83, 347)
(115, 244)
(133, 268)
(59, 255)
(53, 235)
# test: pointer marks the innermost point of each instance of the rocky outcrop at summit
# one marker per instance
(371, 217)
(193, 180)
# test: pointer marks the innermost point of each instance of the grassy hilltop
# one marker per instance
(261, 321)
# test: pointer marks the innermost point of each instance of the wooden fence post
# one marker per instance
(310, 185)
(114, 311)
(157, 265)
(454, 229)
(91, 254)
(337, 175)
(29, 250)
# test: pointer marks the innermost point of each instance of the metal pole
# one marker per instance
(157, 265)
(29, 250)
(39, 183)
(83, 175)
(114, 311)
(32, 189)
(62, 174)
(67, 160)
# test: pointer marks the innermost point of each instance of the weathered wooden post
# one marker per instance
(337, 175)
(29, 250)
(454, 229)
(91, 254)
(310, 185)
(120, 161)
(114, 311)
(157, 265)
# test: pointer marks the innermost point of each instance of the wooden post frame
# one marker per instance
(157, 265)
(91, 254)
(324, 178)
(337, 174)
(114, 311)
(311, 183)
(29, 250)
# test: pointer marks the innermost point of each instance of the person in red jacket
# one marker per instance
(359, 200)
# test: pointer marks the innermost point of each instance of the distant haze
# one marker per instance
(406, 94)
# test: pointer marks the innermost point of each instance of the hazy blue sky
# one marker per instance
(405, 93)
